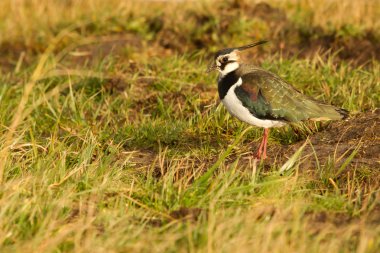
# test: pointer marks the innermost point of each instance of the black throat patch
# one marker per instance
(225, 83)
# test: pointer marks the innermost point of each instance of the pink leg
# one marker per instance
(266, 134)
(262, 151)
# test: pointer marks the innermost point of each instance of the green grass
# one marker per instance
(131, 151)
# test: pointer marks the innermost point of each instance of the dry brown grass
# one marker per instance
(113, 139)
(31, 20)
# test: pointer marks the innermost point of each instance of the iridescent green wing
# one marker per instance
(267, 96)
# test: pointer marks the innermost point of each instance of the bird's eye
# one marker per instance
(225, 59)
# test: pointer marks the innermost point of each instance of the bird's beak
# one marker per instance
(251, 45)
(211, 67)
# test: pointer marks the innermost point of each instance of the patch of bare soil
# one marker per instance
(169, 38)
(318, 221)
(338, 141)
(12, 53)
(289, 38)
(184, 213)
(95, 49)
(297, 41)
(88, 51)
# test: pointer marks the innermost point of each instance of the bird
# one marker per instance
(263, 99)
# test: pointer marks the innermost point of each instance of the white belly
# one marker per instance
(236, 108)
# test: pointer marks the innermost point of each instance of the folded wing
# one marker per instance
(267, 96)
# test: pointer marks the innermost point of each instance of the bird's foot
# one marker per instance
(261, 155)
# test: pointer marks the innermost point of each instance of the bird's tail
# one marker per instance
(330, 112)
(343, 112)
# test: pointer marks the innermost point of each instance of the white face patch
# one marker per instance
(229, 68)
(232, 58)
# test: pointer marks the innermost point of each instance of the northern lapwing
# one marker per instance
(261, 98)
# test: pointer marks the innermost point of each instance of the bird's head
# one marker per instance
(228, 60)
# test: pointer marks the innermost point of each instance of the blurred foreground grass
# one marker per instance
(113, 139)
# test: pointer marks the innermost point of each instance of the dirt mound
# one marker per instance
(336, 143)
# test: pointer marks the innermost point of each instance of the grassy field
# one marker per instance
(113, 138)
